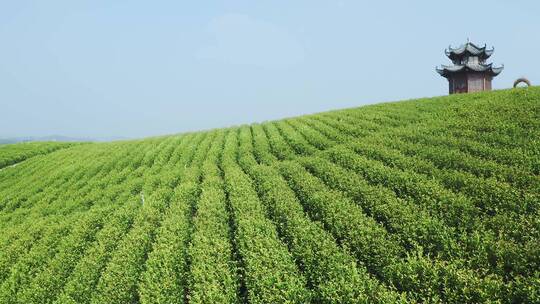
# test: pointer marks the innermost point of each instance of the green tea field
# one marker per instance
(432, 200)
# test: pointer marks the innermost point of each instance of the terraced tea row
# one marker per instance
(12, 154)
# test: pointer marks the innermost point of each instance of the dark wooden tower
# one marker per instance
(469, 71)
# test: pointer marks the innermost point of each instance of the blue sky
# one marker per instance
(141, 68)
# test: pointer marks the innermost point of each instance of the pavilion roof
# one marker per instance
(446, 70)
(469, 49)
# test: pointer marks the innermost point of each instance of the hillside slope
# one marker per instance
(430, 200)
(11, 154)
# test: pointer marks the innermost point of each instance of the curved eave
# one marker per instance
(446, 71)
(496, 71)
(470, 49)
(440, 71)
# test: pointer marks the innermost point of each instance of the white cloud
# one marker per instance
(240, 39)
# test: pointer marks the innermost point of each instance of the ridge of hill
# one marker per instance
(429, 200)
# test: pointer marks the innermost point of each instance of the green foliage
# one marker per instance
(15, 153)
(424, 201)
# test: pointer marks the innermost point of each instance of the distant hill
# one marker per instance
(57, 138)
(431, 200)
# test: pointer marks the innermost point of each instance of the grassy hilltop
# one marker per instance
(428, 200)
